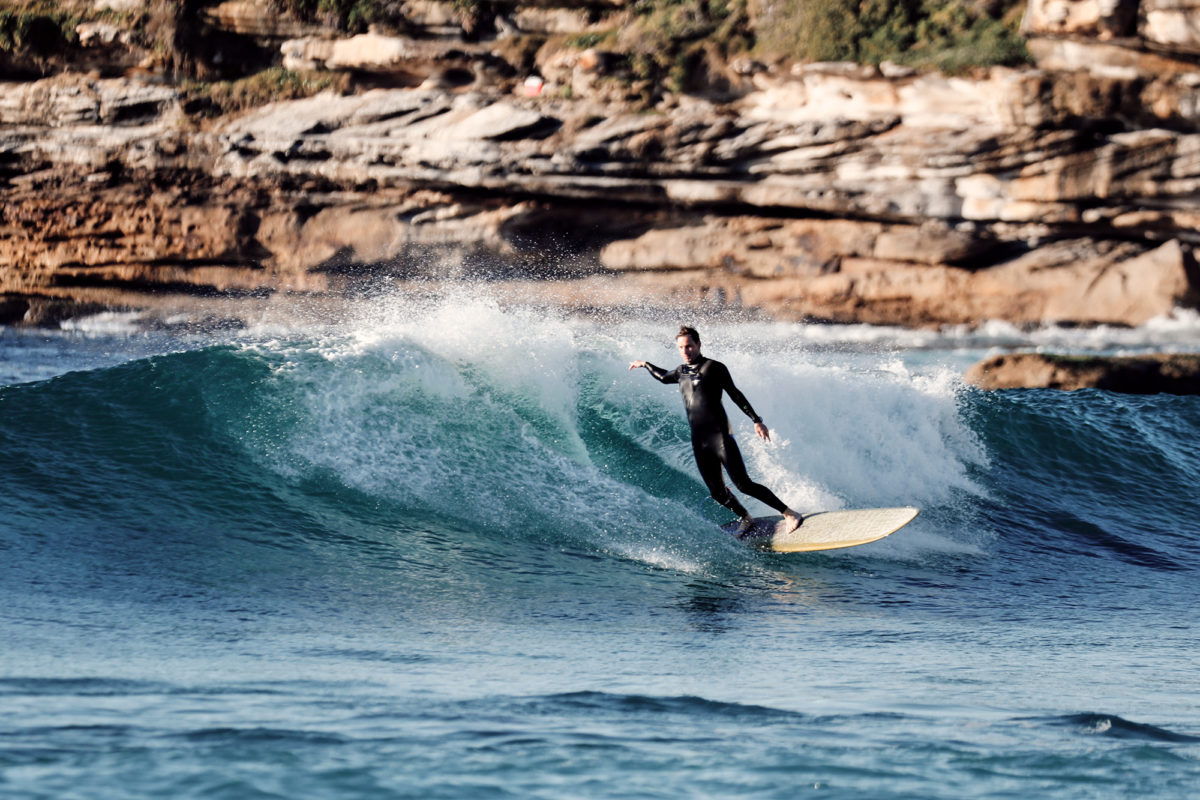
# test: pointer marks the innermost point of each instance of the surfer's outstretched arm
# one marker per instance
(661, 375)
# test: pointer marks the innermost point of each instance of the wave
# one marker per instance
(453, 418)
(1100, 472)
(1118, 728)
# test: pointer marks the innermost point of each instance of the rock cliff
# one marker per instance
(1065, 191)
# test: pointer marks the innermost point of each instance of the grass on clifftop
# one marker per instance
(949, 35)
(671, 38)
(673, 43)
(666, 38)
(662, 45)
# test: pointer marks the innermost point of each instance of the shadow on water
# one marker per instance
(1091, 536)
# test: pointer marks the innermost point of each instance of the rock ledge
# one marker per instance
(1149, 374)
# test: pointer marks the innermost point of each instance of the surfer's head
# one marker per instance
(688, 342)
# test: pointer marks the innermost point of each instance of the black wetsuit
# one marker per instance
(701, 384)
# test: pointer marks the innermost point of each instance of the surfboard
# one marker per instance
(825, 530)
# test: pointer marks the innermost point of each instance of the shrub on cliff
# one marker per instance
(672, 45)
(949, 35)
(211, 99)
(353, 16)
(36, 29)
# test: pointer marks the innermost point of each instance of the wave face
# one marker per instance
(494, 424)
(453, 517)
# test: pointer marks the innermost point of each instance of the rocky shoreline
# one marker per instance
(1066, 192)
(1151, 374)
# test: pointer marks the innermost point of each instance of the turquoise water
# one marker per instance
(443, 549)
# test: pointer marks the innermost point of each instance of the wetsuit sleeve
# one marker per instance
(735, 394)
(661, 375)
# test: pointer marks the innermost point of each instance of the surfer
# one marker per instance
(701, 382)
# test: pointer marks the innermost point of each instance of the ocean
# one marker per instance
(445, 548)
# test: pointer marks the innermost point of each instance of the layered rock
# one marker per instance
(826, 192)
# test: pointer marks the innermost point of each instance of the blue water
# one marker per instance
(447, 549)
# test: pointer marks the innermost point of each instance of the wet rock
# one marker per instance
(1151, 374)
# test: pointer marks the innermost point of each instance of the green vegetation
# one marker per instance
(671, 44)
(670, 37)
(653, 46)
(949, 35)
(276, 83)
(585, 41)
(40, 27)
(352, 16)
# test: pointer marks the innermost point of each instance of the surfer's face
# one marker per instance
(689, 348)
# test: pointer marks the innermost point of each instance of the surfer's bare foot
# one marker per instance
(791, 521)
(745, 525)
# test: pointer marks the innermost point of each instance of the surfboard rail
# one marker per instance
(826, 530)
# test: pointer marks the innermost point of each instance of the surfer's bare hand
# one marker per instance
(762, 431)
(636, 364)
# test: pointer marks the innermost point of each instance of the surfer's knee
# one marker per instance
(744, 485)
(723, 496)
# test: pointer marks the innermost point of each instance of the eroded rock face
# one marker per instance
(870, 220)
(71, 101)
(1166, 23)
(1171, 23)
(1068, 193)
(1102, 19)
(258, 18)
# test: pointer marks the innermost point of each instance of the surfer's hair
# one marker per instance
(686, 330)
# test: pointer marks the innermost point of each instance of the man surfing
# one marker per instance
(701, 382)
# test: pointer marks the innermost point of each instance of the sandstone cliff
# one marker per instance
(1066, 191)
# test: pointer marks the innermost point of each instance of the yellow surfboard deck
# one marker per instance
(825, 530)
